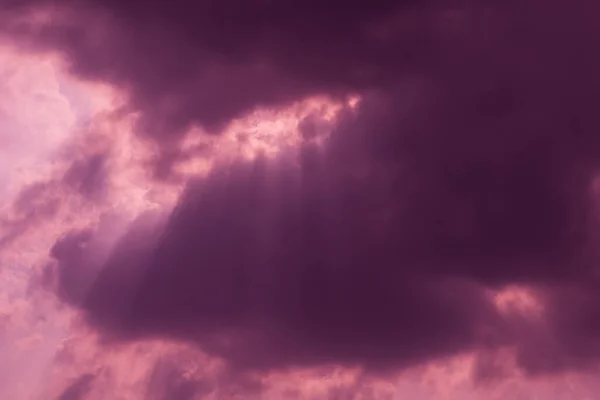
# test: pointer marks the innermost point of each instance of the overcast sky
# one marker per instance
(299, 200)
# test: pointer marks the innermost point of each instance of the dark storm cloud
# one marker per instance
(208, 62)
(467, 165)
(267, 265)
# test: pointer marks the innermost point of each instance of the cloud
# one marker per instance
(302, 278)
(465, 167)
(227, 59)
(78, 389)
(167, 382)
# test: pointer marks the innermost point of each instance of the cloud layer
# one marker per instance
(468, 165)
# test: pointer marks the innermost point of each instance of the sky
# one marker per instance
(299, 200)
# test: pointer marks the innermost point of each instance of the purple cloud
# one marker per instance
(466, 167)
